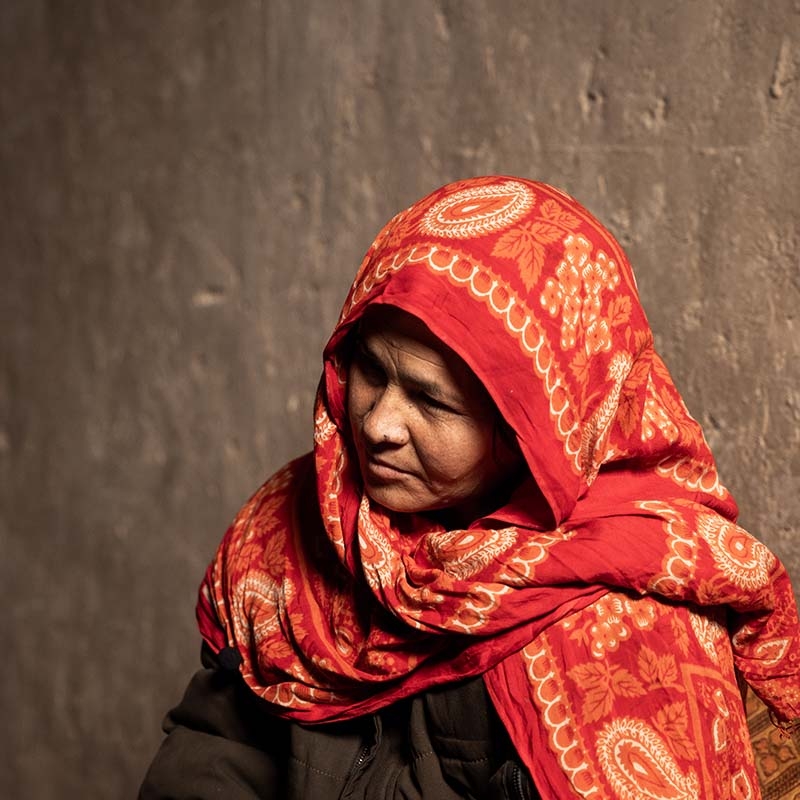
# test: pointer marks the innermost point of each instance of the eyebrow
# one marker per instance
(435, 390)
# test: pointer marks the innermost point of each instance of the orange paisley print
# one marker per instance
(477, 210)
(609, 604)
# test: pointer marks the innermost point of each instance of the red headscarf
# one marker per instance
(606, 604)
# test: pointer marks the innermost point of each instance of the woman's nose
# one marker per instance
(385, 421)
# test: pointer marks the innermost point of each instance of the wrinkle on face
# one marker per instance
(424, 427)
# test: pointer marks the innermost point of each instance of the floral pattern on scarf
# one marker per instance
(609, 604)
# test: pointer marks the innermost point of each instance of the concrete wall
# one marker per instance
(187, 188)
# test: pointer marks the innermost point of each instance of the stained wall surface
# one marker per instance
(187, 189)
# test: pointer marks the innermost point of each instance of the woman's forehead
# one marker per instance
(392, 324)
(406, 333)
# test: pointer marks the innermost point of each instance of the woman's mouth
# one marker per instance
(377, 470)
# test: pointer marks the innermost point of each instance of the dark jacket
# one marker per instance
(222, 742)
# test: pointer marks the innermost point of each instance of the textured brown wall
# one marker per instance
(187, 188)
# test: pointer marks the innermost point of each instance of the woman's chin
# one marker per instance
(393, 498)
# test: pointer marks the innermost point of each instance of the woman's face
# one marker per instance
(425, 430)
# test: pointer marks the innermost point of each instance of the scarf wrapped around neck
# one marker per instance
(609, 604)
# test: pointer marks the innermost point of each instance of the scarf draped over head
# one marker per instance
(608, 604)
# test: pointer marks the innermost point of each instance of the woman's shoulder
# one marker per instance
(278, 488)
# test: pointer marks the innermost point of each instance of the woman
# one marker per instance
(508, 568)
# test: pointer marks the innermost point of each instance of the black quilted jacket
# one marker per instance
(222, 742)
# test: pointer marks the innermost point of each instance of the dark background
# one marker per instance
(187, 189)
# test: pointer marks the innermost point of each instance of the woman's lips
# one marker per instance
(376, 469)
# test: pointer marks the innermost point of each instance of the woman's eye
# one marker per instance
(369, 370)
(433, 403)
